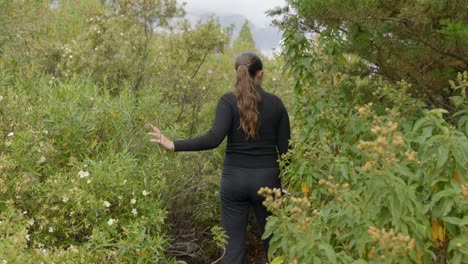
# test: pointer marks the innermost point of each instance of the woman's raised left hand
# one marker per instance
(158, 137)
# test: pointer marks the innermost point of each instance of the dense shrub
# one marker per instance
(374, 176)
(71, 187)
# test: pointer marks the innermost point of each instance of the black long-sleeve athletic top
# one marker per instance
(262, 152)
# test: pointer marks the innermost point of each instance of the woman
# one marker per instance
(257, 126)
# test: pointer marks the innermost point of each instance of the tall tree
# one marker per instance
(152, 14)
(422, 42)
(245, 39)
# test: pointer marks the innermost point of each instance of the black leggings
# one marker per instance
(238, 190)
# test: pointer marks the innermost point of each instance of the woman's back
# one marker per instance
(259, 152)
(272, 136)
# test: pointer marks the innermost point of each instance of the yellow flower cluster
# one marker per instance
(333, 187)
(410, 155)
(296, 207)
(271, 197)
(462, 80)
(270, 193)
(389, 243)
(364, 110)
(301, 201)
(384, 147)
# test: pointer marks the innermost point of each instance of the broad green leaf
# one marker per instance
(452, 220)
(395, 209)
(458, 240)
(419, 124)
(278, 260)
(329, 252)
(464, 222)
(405, 171)
(442, 194)
(442, 156)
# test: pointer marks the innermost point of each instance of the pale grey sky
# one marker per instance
(253, 10)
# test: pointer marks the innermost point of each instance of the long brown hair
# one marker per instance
(248, 99)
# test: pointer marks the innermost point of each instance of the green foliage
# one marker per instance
(107, 51)
(219, 236)
(182, 71)
(377, 172)
(34, 36)
(78, 85)
(115, 47)
(68, 175)
(152, 13)
(421, 42)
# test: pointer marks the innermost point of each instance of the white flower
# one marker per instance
(83, 174)
(73, 249)
(45, 132)
(134, 211)
(133, 201)
(1, 97)
(65, 199)
(11, 134)
(145, 193)
(107, 204)
(4, 261)
(51, 229)
(88, 181)
(111, 222)
(27, 237)
(71, 56)
(31, 222)
(121, 33)
(42, 159)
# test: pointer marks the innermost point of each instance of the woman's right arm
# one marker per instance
(213, 137)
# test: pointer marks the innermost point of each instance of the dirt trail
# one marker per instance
(255, 253)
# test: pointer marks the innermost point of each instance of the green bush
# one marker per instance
(375, 178)
(71, 185)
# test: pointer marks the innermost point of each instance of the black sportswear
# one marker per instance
(262, 152)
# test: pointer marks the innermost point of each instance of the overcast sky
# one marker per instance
(253, 10)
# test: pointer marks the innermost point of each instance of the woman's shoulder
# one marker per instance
(229, 96)
(272, 97)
